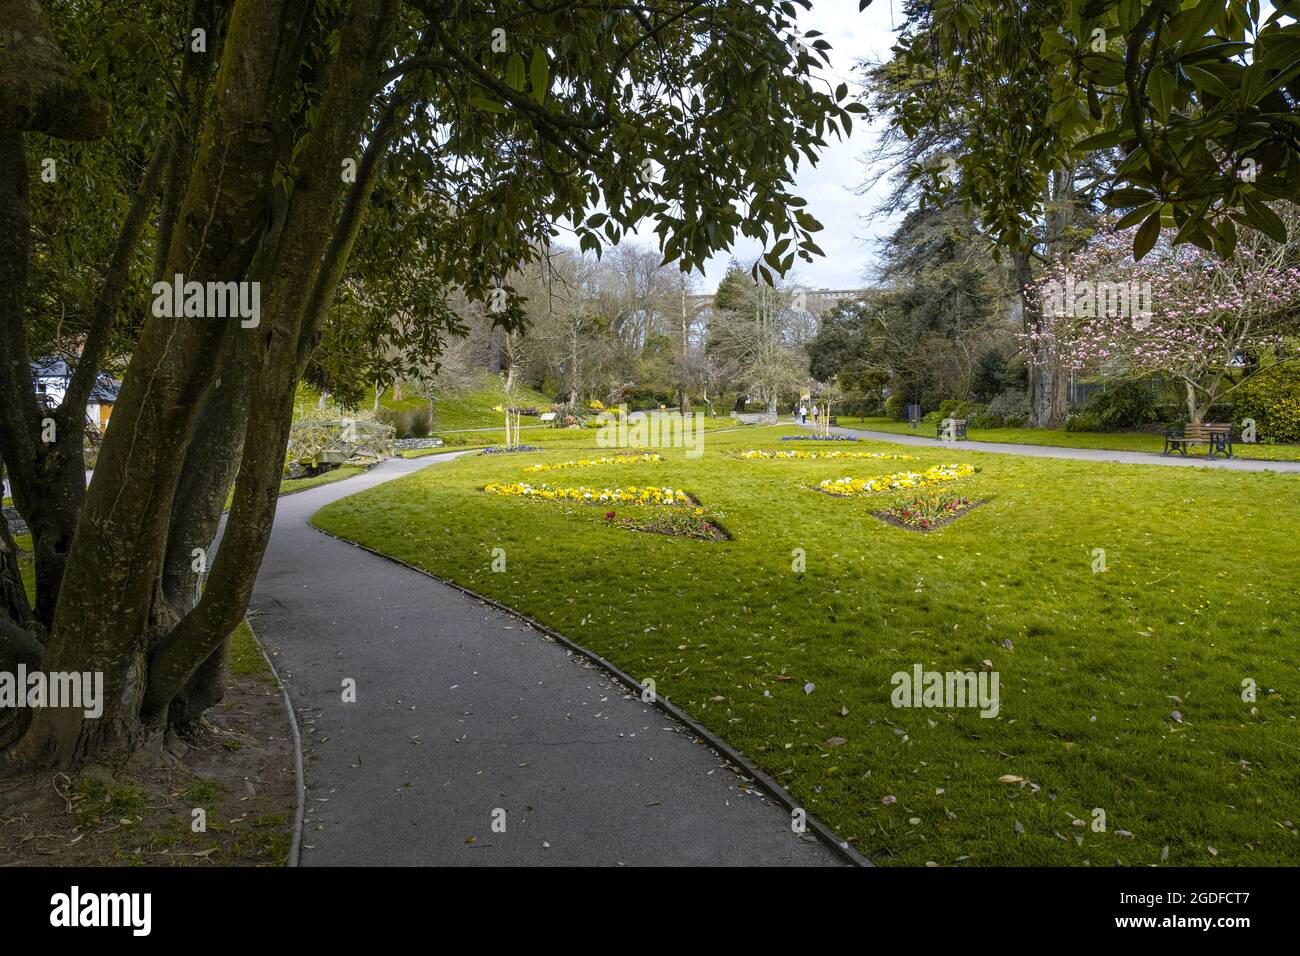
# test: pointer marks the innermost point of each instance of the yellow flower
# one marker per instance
(797, 455)
(937, 474)
(642, 496)
(583, 462)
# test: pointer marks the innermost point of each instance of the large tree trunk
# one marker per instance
(310, 256)
(1196, 411)
(209, 472)
(203, 396)
(1049, 388)
(106, 600)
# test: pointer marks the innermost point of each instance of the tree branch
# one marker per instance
(84, 375)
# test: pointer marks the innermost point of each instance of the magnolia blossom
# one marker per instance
(1201, 316)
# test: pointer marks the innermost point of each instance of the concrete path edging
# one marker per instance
(295, 844)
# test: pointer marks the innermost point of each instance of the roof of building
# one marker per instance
(51, 368)
(105, 389)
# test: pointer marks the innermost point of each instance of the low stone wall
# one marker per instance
(755, 418)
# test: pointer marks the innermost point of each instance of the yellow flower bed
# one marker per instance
(754, 453)
(630, 495)
(607, 460)
(936, 475)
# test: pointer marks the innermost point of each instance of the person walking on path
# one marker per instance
(803, 414)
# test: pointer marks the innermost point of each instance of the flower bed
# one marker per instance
(696, 522)
(926, 510)
(607, 460)
(668, 511)
(630, 495)
(762, 453)
(819, 438)
(508, 449)
(900, 481)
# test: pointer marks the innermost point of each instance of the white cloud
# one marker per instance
(831, 186)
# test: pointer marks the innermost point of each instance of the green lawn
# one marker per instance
(246, 658)
(471, 409)
(289, 485)
(1060, 438)
(477, 409)
(1202, 591)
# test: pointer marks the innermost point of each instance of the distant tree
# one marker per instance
(754, 326)
(989, 379)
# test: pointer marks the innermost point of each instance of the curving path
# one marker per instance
(462, 709)
(1080, 454)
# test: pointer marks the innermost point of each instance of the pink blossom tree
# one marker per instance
(1204, 322)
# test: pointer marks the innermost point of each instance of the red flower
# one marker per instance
(609, 516)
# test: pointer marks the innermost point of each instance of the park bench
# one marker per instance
(958, 431)
(835, 420)
(1217, 437)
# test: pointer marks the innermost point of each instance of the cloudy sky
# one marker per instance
(831, 186)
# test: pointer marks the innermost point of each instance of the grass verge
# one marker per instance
(1121, 689)
(1060, 438)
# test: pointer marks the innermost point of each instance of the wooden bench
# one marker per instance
(1217, 437)
(959, 428)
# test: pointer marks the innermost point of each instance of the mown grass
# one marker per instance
(289, 485)
(246, 658)
(474, 408)
(1060, 438)
(1201, 591)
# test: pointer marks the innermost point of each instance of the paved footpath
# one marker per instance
(1081, 454)
(462, 709)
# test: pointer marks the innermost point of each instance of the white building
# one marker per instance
(52, 377)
